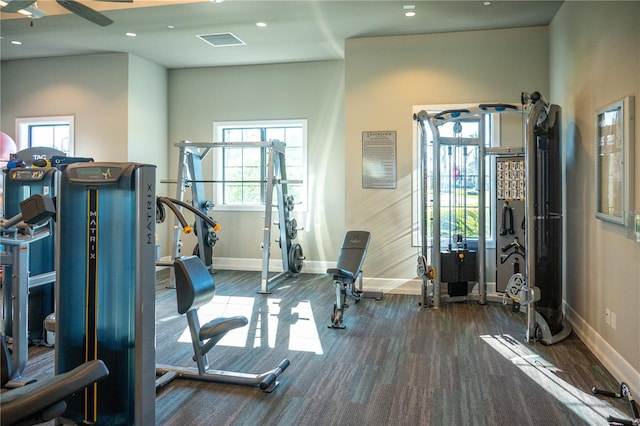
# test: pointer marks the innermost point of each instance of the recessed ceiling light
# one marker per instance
(487, 3)
(170, 27)
(261, 24)
(130, 34)
(16, 42)
(409, 10)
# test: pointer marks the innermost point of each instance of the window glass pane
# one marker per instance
(232, 135)
(245, 168)
(252, 135)
(275, 133)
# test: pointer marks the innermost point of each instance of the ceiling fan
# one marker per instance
(71, 5)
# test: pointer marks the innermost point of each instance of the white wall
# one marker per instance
(385, 77)
(312, 91)
(595, 60)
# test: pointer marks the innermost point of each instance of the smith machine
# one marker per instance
(190, 175)
(527, 205)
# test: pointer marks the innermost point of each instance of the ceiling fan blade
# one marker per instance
(85, 12)
(16, 5)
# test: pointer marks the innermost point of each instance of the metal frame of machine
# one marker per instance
(521, 288)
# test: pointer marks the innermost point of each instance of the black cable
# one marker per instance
(183, 222)
(195, 211)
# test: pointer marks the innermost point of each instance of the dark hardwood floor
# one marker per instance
(395, 363)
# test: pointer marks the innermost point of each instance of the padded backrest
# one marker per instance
(353, 251)
(194, 283)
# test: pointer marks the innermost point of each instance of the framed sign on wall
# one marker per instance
(379, 159)
(614, 153)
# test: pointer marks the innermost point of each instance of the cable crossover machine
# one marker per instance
(528, 208)
(190, 175)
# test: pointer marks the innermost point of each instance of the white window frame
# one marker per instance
(23, 124)
(416, 195)
(220, 126)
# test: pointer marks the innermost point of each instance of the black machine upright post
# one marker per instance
(545, 320)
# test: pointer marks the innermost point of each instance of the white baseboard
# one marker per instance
(606, 354)
(386, 285)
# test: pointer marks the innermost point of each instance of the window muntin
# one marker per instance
(242, 171)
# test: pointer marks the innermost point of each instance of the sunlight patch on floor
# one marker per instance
(303, 333)
(225, 306)
(590, 408)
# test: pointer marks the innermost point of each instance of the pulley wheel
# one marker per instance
(422, 266)
(211, 238)
(296, 258)
(160, 213)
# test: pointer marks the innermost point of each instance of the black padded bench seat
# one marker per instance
(349, 270)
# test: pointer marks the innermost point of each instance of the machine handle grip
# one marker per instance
(271, 377)
(605, 393)
(619, 421)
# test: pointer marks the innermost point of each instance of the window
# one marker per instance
(242, 171)
(51, 132)
(459, 180)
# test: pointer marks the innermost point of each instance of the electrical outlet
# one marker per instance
(607, 316)
(613, 320)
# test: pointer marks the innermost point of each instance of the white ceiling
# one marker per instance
(297, 31)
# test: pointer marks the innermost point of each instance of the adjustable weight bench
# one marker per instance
(43, 400)
(347, 271)
(195, 288)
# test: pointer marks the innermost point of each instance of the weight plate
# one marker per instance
(289, 203)
(292, 229)
(296, 258)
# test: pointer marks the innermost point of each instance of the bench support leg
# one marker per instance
(339, 306)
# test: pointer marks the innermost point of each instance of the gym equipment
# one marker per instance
(20, 184)
(625, 392)
(446, 189)
(510, 219)
(526, 189)
(543, 193)
(43, 400)
(190, 175)
(16, 236)
(194, 288)
(347, 271)
(105, 262)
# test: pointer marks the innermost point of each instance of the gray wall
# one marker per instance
(385, 77)
(92, 88)
(595, 60)
(587, 58)
(119, 102)
(312, 91)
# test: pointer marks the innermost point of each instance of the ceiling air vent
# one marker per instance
(222, 39)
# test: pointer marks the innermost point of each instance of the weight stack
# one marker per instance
(458, 268)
